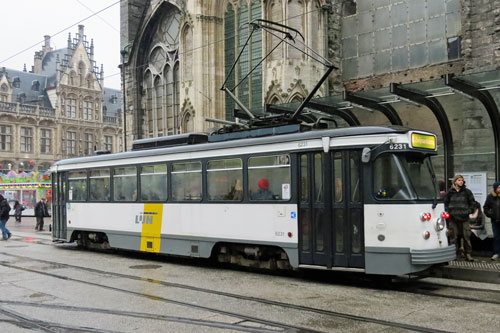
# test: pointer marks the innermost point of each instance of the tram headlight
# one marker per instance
(425, 217)
(439, 224)
(426, 234)
(445, 215)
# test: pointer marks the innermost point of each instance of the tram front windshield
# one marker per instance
(404, 176)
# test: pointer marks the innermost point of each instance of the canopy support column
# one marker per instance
(437, 109)
(484, 96)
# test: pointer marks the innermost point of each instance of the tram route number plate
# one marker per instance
(398, 146)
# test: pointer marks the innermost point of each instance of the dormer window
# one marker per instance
(4, 88)
(16, 83)
(113, 99)
(21, 97)
(35, 85)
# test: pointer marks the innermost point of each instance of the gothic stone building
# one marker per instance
(58, 110)
(426, 64)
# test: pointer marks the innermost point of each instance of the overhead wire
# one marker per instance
(60, 31)
(99, 17)
(179, 53)
(240, 28)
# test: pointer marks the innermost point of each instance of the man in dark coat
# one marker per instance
(18, 208)
(4, 216)
(460, 202)
(491, 209)
(41, 211)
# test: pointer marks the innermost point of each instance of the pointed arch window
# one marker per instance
(151, 120)
(236, 33)
(188, 123)
(81, 73)
(295, 19)
(158, 91)
(177, 92)
(316, 31)
(169, 79)
(161, 77)
(72, 76)
(275, 13)
(188, 53)
(90, 82)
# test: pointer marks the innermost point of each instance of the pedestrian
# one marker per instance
(492, 210)
(4, 216)
(41, 211)
(18, 209)
(460, 202)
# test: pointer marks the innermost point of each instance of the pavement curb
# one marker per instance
(468, 271)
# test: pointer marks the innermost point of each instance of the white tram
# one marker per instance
(358, 198)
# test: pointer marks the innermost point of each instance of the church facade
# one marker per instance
(429, 64)
(177, 55)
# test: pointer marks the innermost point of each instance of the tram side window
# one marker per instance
(99, 185)
(125, 184)
(225, 179)
(186, 181)
(269, 177)
(154, 182)
(77, 183)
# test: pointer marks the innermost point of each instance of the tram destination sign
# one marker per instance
(425, 141)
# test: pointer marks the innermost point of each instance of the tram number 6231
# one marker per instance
(397, 146)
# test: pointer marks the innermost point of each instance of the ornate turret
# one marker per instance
(92, 49)
(80, 32)
(46, 47)
(101, 76)
(69, 41)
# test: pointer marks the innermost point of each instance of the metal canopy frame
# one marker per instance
(476, 86)
(425, 98)
(484, 96)
(386, 109)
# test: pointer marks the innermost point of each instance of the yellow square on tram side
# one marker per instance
(423, 141)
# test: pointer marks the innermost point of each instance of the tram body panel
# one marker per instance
(272, 224)
(395, 242)
(400, 225)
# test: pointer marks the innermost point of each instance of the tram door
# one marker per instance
(59, 205)
(330, 209)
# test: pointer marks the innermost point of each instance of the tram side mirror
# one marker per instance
(365, 155)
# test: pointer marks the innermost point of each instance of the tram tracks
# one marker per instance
(25, 322)
(243, 318)
(80, 309)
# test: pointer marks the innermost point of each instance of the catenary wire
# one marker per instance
(59, 32)
(212, 43)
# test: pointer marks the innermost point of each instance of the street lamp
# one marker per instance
(123, 52)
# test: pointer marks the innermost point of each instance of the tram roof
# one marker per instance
(314, 134)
